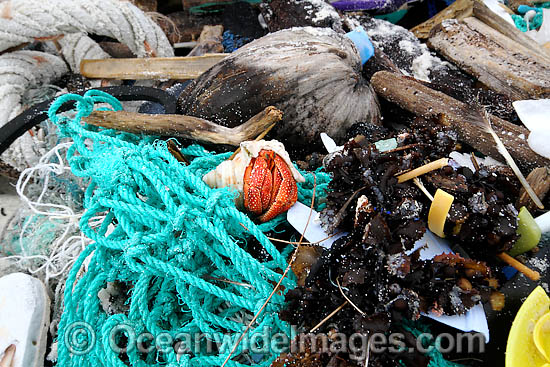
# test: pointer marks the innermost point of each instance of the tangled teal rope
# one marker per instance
(177, 244)
(535, 23)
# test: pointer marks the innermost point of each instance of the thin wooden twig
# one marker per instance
(529, 273)
(422, 188)
(474, 161)
(404, 147)
(349, 300)
(329, 316)
(293, 258)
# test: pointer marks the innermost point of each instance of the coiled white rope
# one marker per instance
(23, 21)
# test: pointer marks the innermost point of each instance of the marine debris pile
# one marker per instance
(274, 183)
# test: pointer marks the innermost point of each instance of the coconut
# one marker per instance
(311, 74)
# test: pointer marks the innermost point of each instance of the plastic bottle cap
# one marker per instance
(362, 41)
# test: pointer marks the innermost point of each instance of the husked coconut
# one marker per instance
(311, 74)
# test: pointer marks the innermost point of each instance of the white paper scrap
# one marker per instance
(297, 216)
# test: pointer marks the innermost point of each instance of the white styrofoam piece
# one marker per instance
(538, 142)
(543, 221)
(24, 318)
(533, 113)
(474, 319)
(297, 216)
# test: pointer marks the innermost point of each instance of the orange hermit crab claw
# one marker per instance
(269, 186)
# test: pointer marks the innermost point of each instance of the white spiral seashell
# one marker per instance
(230, 173)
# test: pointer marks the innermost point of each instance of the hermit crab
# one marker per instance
(264, 176)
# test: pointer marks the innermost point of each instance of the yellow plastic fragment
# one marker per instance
(521, 349)
(541, 336)
(439, 209)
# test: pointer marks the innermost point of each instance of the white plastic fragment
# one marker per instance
(329, 143)
(24, 318)
(543, 221)
(534, 115)
(297, 216)
(474, 319)
(465, 160)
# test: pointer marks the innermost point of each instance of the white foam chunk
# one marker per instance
(297, 216)
(24, 318)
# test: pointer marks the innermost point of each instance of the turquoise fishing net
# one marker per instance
(181, 250)
(534, 23)
(178, 246)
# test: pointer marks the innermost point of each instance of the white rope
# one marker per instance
(77, 47)
(21, 70)
(25, 21)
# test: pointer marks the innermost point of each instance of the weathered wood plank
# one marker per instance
(495, 60)
(460, 9)
(150, 68)
(420, 100)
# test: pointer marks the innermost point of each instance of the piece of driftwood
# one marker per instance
(426, 102)
(487, 16)
(495, 60)
(459, 10)
(186, 126)
(182, 26)
(210, 41)
(150, 68)
(539, 179)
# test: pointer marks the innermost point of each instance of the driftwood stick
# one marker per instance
(186, 126)
(150, 68)
(460, 9)
(423, 101)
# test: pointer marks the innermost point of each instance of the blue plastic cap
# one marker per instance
(522, 9)
(362, 41)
